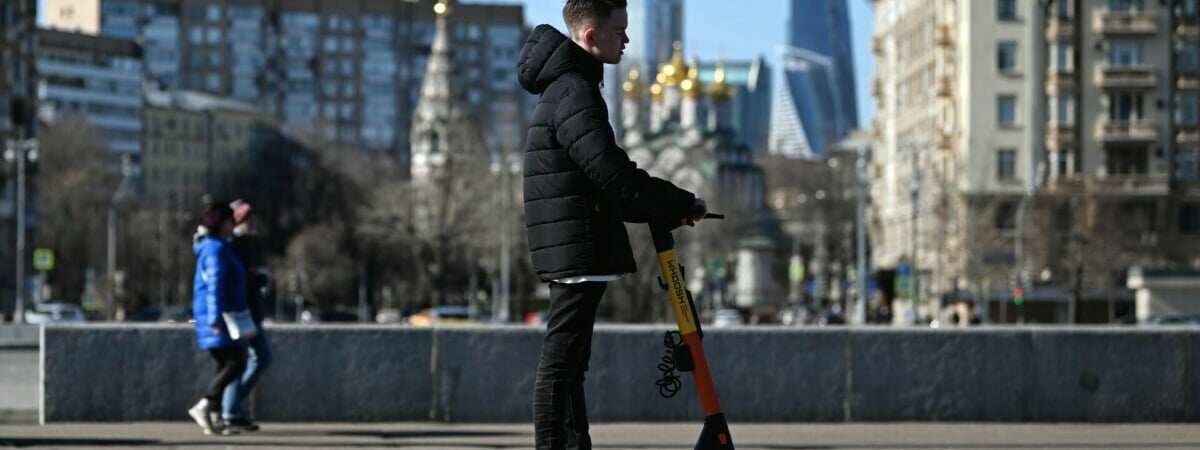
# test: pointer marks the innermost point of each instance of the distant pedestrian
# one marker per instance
(245, 245)
(219, 287)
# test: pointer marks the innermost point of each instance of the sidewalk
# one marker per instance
(675, 436)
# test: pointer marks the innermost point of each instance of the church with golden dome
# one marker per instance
(680, 128)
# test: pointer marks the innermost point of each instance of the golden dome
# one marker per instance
(674, 72)
(656, 91)
(719, 90)
(633, 86)
(691, 86)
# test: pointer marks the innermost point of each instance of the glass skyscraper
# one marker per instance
(816, 104)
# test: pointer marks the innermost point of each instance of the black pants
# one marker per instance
(559, 409)
(231, 362)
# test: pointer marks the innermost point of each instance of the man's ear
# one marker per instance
(588, 34)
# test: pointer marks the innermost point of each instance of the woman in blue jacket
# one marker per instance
(219, 287)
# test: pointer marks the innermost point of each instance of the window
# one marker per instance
(196, 13)
(1189, 218)
(1006, 56)
(1061, 108)
(215, 83)
(1125, 107)
(1187, 58)
(1127, 161)
(1061, 162)
(1124, 53)
(1063, 9)
(215, 58)
(195, 59)
(214, 13)
(1006, 9)
(347, 111)
(213, 35)
(1006, 111)
(329, 89)
(196, 35)
(1187, 110)
(1006, 165)
(329, 111)
(1061, 57)
(330, 44)
(1004, 216)
(1185, 165)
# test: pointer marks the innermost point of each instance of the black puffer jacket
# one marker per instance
(579, 185)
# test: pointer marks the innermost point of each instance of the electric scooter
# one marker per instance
(686, 353)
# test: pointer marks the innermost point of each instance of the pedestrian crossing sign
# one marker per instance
(43, 259)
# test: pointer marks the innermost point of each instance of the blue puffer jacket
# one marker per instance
(220, 286)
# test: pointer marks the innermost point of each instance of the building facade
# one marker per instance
(347, 73)
(193, 143)
(1042, 145)
(74, 16)
(817, 104)
(95, 78)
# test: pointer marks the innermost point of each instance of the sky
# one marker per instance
(733, 30)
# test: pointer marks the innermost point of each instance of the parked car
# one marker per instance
(55, 313)
(456, 315)
(727, 318)
(1182, 320)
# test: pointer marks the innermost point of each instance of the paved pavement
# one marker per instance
(673, 436)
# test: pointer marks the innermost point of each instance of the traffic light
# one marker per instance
(1018, 296)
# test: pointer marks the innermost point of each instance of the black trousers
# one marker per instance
(559, 408)
(231, 362)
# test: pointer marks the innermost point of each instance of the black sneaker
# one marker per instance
(242, 423)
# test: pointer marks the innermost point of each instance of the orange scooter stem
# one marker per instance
(715, 434)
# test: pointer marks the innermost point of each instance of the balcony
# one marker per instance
(1125, 77)
(1129, 184)
(1060, 80)
(1125, 23)
(877, 88)
(1187, 81)
(1186, 28)
(1187, 135)
(1060, 29)
(945, 36)
(877, 46)
(1126, 132)
(1060, 135)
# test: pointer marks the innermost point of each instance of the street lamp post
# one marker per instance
(122, 188)
(914, 189)
(860, 314)
(18, 151)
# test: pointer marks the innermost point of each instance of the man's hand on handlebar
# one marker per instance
(699, 210)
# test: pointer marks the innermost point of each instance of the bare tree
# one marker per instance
(74, 186)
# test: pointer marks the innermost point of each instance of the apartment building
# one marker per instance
(97, 79)
(347, 73)
(1048, 145)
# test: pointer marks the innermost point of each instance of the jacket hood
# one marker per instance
(548, 54)
(206, 241)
